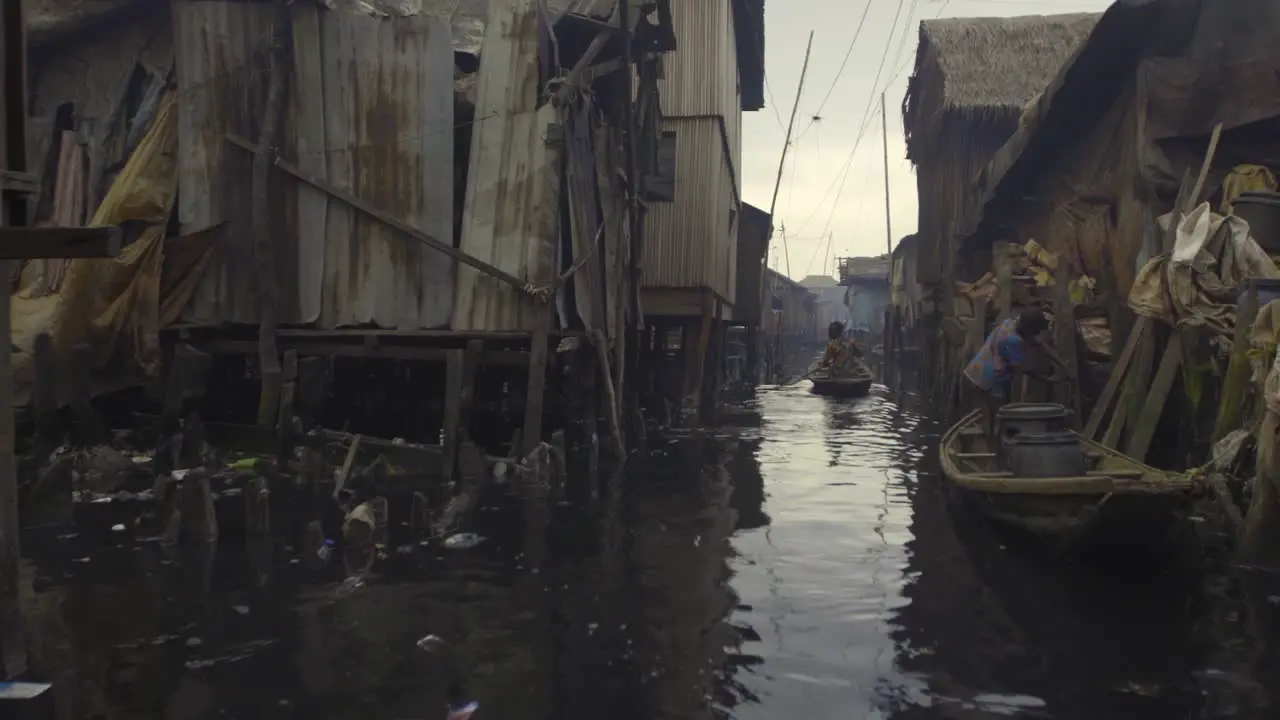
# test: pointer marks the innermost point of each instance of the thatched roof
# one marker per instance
(987, 69)
(1003, 62)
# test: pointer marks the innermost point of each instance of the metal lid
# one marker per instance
(1032, 411)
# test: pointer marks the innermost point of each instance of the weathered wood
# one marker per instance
(288, 393)
(268, 279)
(199, 521)
(450, 437)
(1214, 137)
(610, 399)
(44, 396)
(1118, 372)
(24, 243)
(87, 427)
(537, 388)
(343, 474)
(313, 388)
(1145, 425)
(257, 505)
(393, 222)
(19, 182)
(473, 479)
(1004, 281)
(504, 358)
(1235, 383)
(574, 78)
(697, 382)
(466, 398)
(1111, 438)
(1226, 502)
(1064, 339)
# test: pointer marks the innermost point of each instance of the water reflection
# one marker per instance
(805, 560)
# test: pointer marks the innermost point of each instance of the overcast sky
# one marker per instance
(829, 187)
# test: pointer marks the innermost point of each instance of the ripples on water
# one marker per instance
(804, 561)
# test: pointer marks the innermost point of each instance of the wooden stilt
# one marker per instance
(610, 400)
(703, 346)
(1064, 340)
(288, 393)
(87, 428)
(44, 396)
(537, 387)
(452, 412)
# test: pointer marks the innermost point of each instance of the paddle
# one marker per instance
(805, 376)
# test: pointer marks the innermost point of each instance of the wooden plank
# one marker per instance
(393, 222)
(505, 358)
(19, 182)
(452, 412)
(25, 243)
(44, 396)
(1004, 281)
(537, 388)
(1235, 383)
(1112, 437)
(1118, 371)
(1064, 339)
(288, 396)
(1145, 426)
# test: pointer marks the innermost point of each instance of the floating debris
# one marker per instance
(118, 527)
(463, 711)
(462, 541)
(22, 690)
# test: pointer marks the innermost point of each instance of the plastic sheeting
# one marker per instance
(1198, 282)
(117, 306)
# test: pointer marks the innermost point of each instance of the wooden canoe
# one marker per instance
(1118, 500)
(845, 387)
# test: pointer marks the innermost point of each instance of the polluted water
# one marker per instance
(803, 559)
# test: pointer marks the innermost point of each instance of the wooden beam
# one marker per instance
(395, 223)
(537, 388)
(26, 243)
(507, 358)
(1235, 383)
(1064, 338)
(20, 182)
(1144, 428)
(452, 412)
(1118, 371)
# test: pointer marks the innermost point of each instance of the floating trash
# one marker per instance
(463, 711)
(24, 690)
(462, 541)
(431, 643)
(179, 474)
(325, 551)
(118, 527)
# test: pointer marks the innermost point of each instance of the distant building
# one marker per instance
(866, 282)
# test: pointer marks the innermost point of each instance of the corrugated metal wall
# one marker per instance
(512, 204)
(687, 241)
(371, 115)
(692, 242)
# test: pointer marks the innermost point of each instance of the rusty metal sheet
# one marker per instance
(513, 189)
(371, 115)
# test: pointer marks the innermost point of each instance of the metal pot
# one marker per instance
(1040, 455)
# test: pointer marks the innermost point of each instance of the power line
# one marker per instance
(848, 52)
(870, 103)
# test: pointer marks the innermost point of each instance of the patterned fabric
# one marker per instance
(992, 368)
(841, 357)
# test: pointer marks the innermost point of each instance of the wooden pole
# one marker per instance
(264, 252)
(888, 238)
(786, 144)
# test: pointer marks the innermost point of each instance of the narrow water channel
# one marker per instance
(802, 561)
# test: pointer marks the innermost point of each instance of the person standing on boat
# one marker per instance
(1005, 350)
(841, 357)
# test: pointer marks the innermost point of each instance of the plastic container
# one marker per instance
(1262, 211)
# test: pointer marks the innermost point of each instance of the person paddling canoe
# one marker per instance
(842, 353)
(1005, 350)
